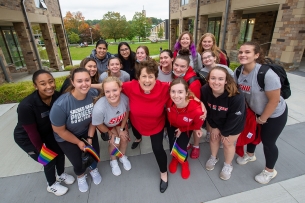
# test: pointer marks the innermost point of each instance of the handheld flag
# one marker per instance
(92, 151)
(116, 152)
(178, 153)
(46, 155)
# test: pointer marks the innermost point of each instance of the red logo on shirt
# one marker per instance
(117, 119)
(220, 108)
(245, 87)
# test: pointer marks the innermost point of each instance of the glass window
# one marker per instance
(246, 29)
(4, 50)
(214, 25)
(40, 4)
(184, 2)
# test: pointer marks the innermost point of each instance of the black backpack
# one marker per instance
(279, 70)
(201, 76)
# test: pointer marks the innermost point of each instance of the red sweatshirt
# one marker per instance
(187, 119)
(194, 86)
(147, 110)
(222, 59)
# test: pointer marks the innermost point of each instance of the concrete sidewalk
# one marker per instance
(22, 180)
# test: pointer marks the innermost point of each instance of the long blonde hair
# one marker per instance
(106, 80)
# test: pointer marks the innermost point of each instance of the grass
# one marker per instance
(15, 92)
(78, 53)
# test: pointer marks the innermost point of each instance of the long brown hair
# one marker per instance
(257, 50)
(108, 79)
(214, 48)
(72, 74)
(83, 63)
(231, 86)
(189, 93)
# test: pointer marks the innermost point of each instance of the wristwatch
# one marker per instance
(122, 129)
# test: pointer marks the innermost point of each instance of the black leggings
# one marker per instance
(270, 131)
(58, 163)
(182, 141)
(74, 154)
(157, 147)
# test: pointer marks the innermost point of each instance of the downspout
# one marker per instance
(7, 78)
(196, 23)
(63, 25)
(31, 34)
(225, 25)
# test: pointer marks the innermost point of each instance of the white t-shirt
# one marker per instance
(104, 113)
(256, 99)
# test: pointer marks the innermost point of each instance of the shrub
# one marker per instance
(15, 92)
(234, 65)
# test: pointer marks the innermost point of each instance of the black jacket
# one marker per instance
(225, 113)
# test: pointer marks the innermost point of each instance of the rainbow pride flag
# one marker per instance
(117, 152)
(92, 151)
(46, 155)
(178, 153)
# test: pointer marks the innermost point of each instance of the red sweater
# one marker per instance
(222, 59)
(194, 86)
(147, 110)
(187, 120)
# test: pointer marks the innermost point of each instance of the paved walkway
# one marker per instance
(22, 180)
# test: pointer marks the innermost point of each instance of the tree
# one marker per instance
(130, 34)
(160, 32)
(73, 22)
(114, 25)
(141, 25)
(73, 38)
(155, 21)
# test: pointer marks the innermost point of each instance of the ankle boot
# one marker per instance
(185, 170)
(173, 165)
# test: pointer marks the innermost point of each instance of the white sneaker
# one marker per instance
(82, 183)
(96, 176)
(264, 177)
(57, 189)
(68, 179)
(226, 171)
(115, 167)
(245, 159)
(125, 162)
(210, 164)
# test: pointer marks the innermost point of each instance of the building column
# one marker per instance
(2, 75)
(61, 38)
(203, 26)
(233, 29)
(174, 26)
(288, 40)
(185, 25)
(50, 43)
(28, 53)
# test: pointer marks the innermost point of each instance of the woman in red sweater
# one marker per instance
(147, 98)
(181, 69)
(183, 114)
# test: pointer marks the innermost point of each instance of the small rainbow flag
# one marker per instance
(92, 151)
(178, 153)
(46, 155)
(116, 152)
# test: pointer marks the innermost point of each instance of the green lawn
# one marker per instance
(78, 53)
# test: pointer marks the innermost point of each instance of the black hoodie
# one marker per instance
(225, 113)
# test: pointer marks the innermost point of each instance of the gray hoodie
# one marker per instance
(101, 63)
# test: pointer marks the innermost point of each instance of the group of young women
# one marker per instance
(109, 92)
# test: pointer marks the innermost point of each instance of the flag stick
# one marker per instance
(117, 149)
(174, 145)
(86, 141)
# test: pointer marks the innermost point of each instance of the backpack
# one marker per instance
(279, 70)
(228, 60)
(201, 76)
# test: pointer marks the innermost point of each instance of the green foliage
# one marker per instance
(73, 38)
(15, 92)
(234, 65)
(141, 25)
(43, 53)
(70, 67)
(93, 22)
(160, 33)
(156, 21)
(114, 25)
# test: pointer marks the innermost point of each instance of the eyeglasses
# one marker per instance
(122, 50)
(208, 57)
